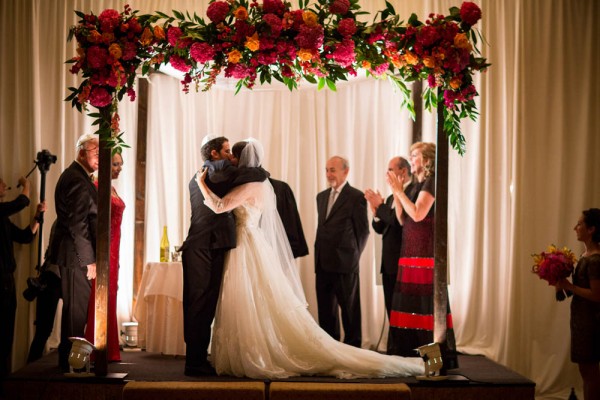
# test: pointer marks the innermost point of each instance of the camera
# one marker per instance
(44, 159)
(35, 285)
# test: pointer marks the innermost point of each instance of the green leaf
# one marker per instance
(331, 85)
(321, 83)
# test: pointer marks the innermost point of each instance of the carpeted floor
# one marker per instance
(143, 366)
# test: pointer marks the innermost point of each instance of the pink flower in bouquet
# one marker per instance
(129, 51)
(347, 27)
(554, 264)
(109, 20)
(99, 97)
(217, 11)
(427, 36)
(202, 52)
(173, 35)
(339, 7)
(470, 13)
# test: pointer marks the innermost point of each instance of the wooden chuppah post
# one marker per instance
(102, 252)
(140, 188)
(440, 272)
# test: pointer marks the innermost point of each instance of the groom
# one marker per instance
(203, 253)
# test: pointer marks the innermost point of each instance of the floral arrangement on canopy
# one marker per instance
(322, 42)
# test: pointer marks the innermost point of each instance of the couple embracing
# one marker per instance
(239, 270)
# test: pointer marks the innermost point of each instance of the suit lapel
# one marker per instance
(322, 205)
(339, 202)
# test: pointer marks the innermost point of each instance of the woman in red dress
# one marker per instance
(116, 215)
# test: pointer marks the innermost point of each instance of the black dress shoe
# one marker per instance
(200, 370)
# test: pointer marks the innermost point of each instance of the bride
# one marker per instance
(263, 329)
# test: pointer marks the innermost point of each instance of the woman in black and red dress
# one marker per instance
(411, 320)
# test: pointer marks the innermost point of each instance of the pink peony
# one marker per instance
(129, 51)
(347, 27)
(97, 57)
(109, 20)
(339, 7)
(99, 97)
(179, 63)
(202, 52)
(273, 7)
(380, 69)
(344, 53)
(217, 11)
(173, 35)
(310, 37)
(470, 13)
(427, 36)
(274, 23)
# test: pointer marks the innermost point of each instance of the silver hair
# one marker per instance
(83, 139)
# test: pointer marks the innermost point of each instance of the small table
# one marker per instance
(159, 308)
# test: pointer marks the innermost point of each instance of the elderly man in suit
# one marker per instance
(386, 224)
(342, 232)
(209, 239)
(76, 214)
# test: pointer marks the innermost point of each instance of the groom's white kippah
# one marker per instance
(208, 138)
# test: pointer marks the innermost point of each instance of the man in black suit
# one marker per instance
(203, 253)
(76, 214)
(342, 232)
(386, 224)
(288, 212)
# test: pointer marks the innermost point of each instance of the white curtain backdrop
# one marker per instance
(531, 166)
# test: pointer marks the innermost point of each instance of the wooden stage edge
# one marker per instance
(477, 378)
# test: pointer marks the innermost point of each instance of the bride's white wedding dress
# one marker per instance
(262, 328)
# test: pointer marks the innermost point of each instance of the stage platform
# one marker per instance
(477, 378)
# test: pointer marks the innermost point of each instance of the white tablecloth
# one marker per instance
(159, 309)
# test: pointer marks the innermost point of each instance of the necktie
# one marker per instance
(332, 197)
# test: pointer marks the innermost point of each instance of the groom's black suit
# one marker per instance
(341, 238)
(203, 254)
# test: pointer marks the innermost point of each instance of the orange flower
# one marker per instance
(366, 64)
(147, 37)
(305, 54)
(159, 33)
(429, 61)
(115, 51)
(252, 42)
(108, 37)
(411, 58)
(241, 13)
(462, 42)
(455, 83)
(82, 97)
(234, 56)
(309, 18)
(95, 36)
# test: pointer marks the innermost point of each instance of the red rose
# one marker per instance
(274, 23)
(339, 7)
(96, 57)
(470, 13)
(347, 27)
(202, 52)
(99, 97)
(217, 11)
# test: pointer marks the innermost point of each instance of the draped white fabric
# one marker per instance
(531, 165)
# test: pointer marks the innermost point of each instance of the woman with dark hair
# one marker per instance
(585, 306)
(411, 319)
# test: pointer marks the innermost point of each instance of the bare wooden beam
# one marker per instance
(417, 131)
(140, 188)
(440, 275)
(102, 255)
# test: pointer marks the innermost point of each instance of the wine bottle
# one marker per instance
(164, 246)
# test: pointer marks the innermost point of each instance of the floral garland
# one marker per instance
(322, 42)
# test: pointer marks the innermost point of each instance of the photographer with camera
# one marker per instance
(10, 233)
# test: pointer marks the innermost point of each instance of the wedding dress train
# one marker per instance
(263, 329)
